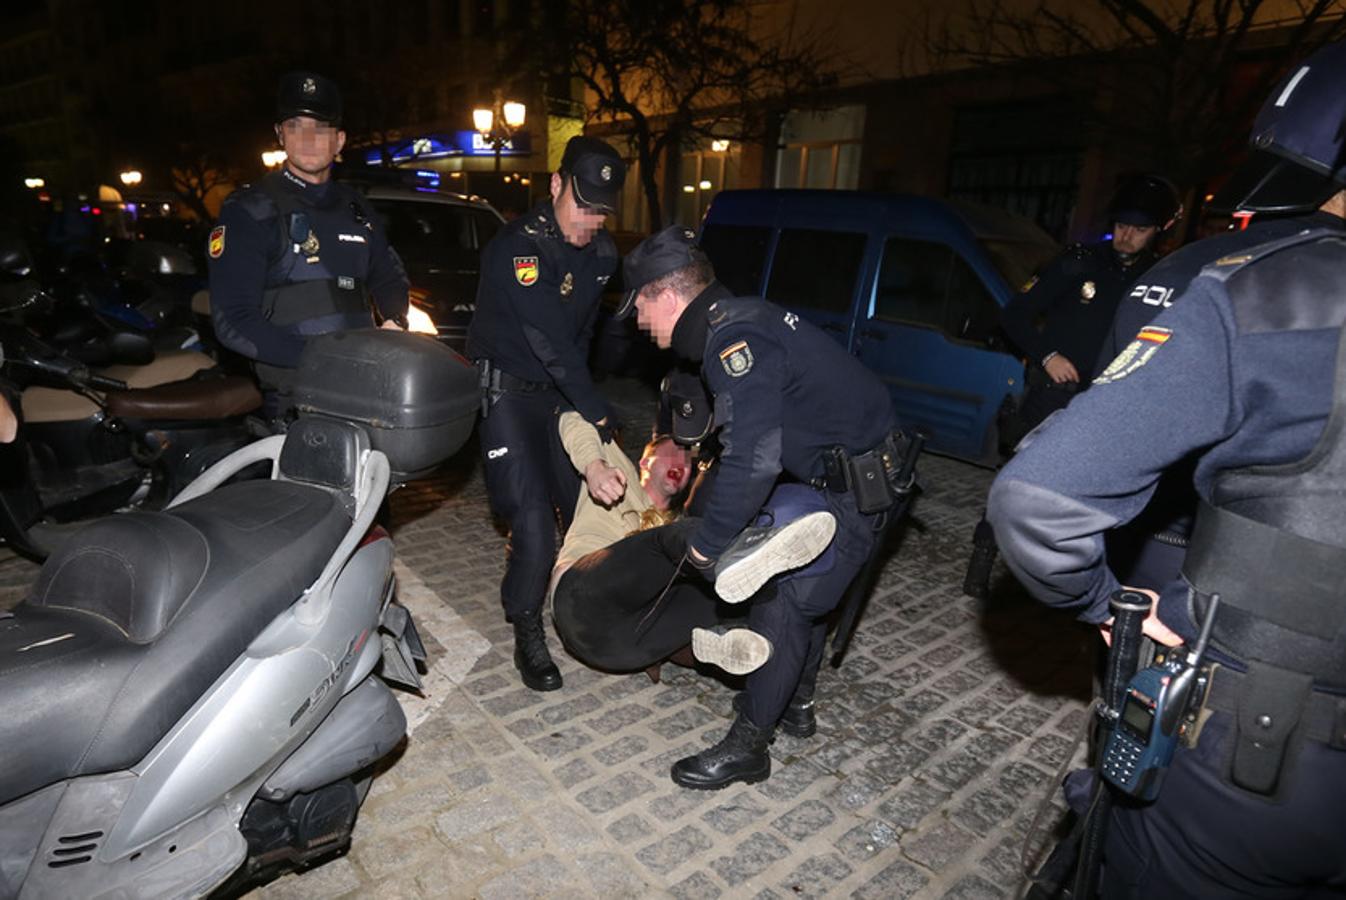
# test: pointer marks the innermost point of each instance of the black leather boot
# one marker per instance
(798, 719)
(530, 654)
(977, 581)
(740, 756)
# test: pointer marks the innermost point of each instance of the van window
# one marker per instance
(738, 253)
(925, 283)
(816, 269)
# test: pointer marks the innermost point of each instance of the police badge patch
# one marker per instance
(1137, 353)
(736, 359)
(525, 270)
(217, 242)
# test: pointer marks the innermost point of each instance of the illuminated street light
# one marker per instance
(688, 189)
(704, 185)
(498, 123)
(130, 177)
(34, 183)
(273, 158)
(719, 146)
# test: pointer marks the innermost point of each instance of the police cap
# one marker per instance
(308, 94)
(656, 256)
(596, 172)
(1297, 159)
(1147, 201)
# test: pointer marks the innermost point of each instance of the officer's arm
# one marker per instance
(1019, 317)
(387, 278)
(542, 317)
(1095, 465)
(237, 279)
(749, 409)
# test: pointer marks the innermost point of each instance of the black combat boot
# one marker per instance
(798, 720)
(530, 654)
(977, 581)
(740, 756)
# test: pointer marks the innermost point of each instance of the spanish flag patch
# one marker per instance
(1154, 335)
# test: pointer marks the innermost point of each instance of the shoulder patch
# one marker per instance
(525, 270)
(216, 242)
(1136, 354)
(736, 359)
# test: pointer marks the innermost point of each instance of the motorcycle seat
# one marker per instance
(214, 396)
(138, 614)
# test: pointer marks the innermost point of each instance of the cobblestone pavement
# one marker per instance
(937, 738)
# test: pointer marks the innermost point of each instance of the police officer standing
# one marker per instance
(296, 254)
(541, 280)
(1247, 372)
(788, 400)
(1075, 300)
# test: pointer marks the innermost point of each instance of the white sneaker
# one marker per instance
(759, 553)
(736, 650)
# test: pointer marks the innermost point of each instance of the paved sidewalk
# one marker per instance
(937, 738)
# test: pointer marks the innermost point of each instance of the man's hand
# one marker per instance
(1060, 370)
(9, 423)
(392, 325)
(606, 484)
(1152, 628)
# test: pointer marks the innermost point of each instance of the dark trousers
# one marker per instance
(793, 619)
(1205, 838)
(604, 605)
(529, 478)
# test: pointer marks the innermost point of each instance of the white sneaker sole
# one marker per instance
(737, 651)
(795, 545)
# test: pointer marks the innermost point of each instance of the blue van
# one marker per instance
(911, 285)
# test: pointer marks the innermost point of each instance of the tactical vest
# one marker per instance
(306, 297)
(1272, 539)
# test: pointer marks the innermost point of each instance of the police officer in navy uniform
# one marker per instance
(786, 398)
(1075, 299)
(296, 254)
(541, 280)
(1248, 372)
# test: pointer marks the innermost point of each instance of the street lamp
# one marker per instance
(273, 158)
(130, 177)
(498, 123)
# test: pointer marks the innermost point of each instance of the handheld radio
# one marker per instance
(1153, 717)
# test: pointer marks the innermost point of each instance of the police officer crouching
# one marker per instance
(1247, 371)
(788, 402)
(541, 280)
(296, 254)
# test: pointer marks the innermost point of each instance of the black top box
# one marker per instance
(417, 398)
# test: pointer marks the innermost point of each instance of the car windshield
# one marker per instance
(1018, 261)
(1017, 246)
(436, 235)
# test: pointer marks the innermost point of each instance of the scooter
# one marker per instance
(195, 698)
(92, 442)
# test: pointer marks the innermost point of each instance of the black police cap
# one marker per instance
(1297, 159)
(596, 172)
(1147, 201)
(656, 256)
(308, 94)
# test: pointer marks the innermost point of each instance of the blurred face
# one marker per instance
(578, 223)
(1129, 240)
(656, 314)
(665, 469)
(310, 147)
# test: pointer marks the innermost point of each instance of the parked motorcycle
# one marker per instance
(198, 696)
(94, 441)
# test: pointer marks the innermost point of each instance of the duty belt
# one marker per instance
(497, 379)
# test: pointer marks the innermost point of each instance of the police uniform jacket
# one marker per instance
(256, 249)
(1075, 297)
(1239, 371)
(537, 303)
(785, 393)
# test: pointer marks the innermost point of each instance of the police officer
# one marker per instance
(786, 399)
(296, 254)
(541, 280)
(1075, 299)
(1247, 372)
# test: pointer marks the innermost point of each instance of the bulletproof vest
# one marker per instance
(1272, 539)
(306, 297)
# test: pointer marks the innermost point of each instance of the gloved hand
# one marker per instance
(609, 428)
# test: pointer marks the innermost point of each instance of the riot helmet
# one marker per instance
(1296, 161)
(1146, 201)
